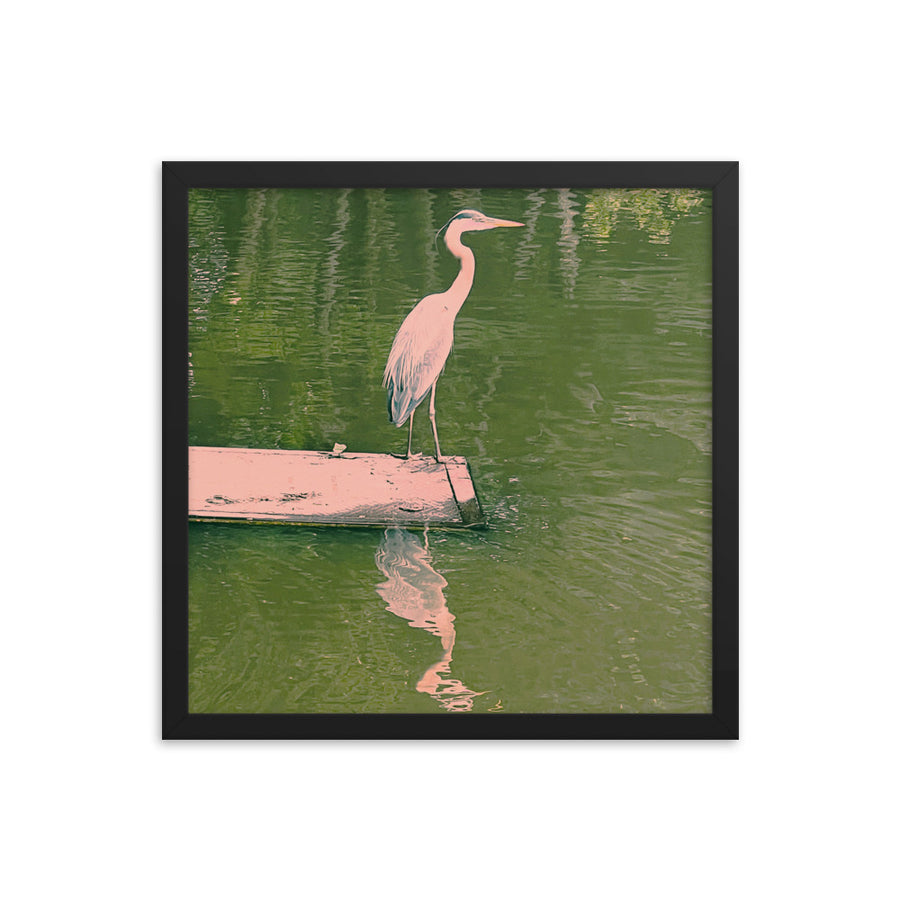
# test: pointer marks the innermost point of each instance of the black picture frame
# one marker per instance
(178, 178)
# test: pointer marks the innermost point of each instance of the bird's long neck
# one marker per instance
(462, 284)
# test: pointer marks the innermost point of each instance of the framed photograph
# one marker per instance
(450, 450)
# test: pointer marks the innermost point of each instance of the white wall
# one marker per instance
(803, 94)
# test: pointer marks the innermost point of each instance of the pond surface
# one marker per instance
(579, 389)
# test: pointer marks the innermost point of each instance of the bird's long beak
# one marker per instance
(506, 223)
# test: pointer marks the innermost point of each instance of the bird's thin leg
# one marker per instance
(431, 416)
(409, 445)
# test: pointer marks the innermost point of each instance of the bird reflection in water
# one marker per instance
(415, 591)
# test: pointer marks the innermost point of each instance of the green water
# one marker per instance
(579, 389)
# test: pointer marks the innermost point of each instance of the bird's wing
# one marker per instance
(417, 358)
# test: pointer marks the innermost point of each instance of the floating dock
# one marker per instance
(338, 488)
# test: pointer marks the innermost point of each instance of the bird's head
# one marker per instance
(472, 220)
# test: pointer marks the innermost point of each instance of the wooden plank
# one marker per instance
(239, 484)
(463, 490)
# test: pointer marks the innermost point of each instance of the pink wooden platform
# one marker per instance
(235, 484)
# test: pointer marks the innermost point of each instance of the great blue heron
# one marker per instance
(423, 343)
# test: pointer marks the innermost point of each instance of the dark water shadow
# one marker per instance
(414, 590)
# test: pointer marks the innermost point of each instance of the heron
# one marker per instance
(422, 343)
